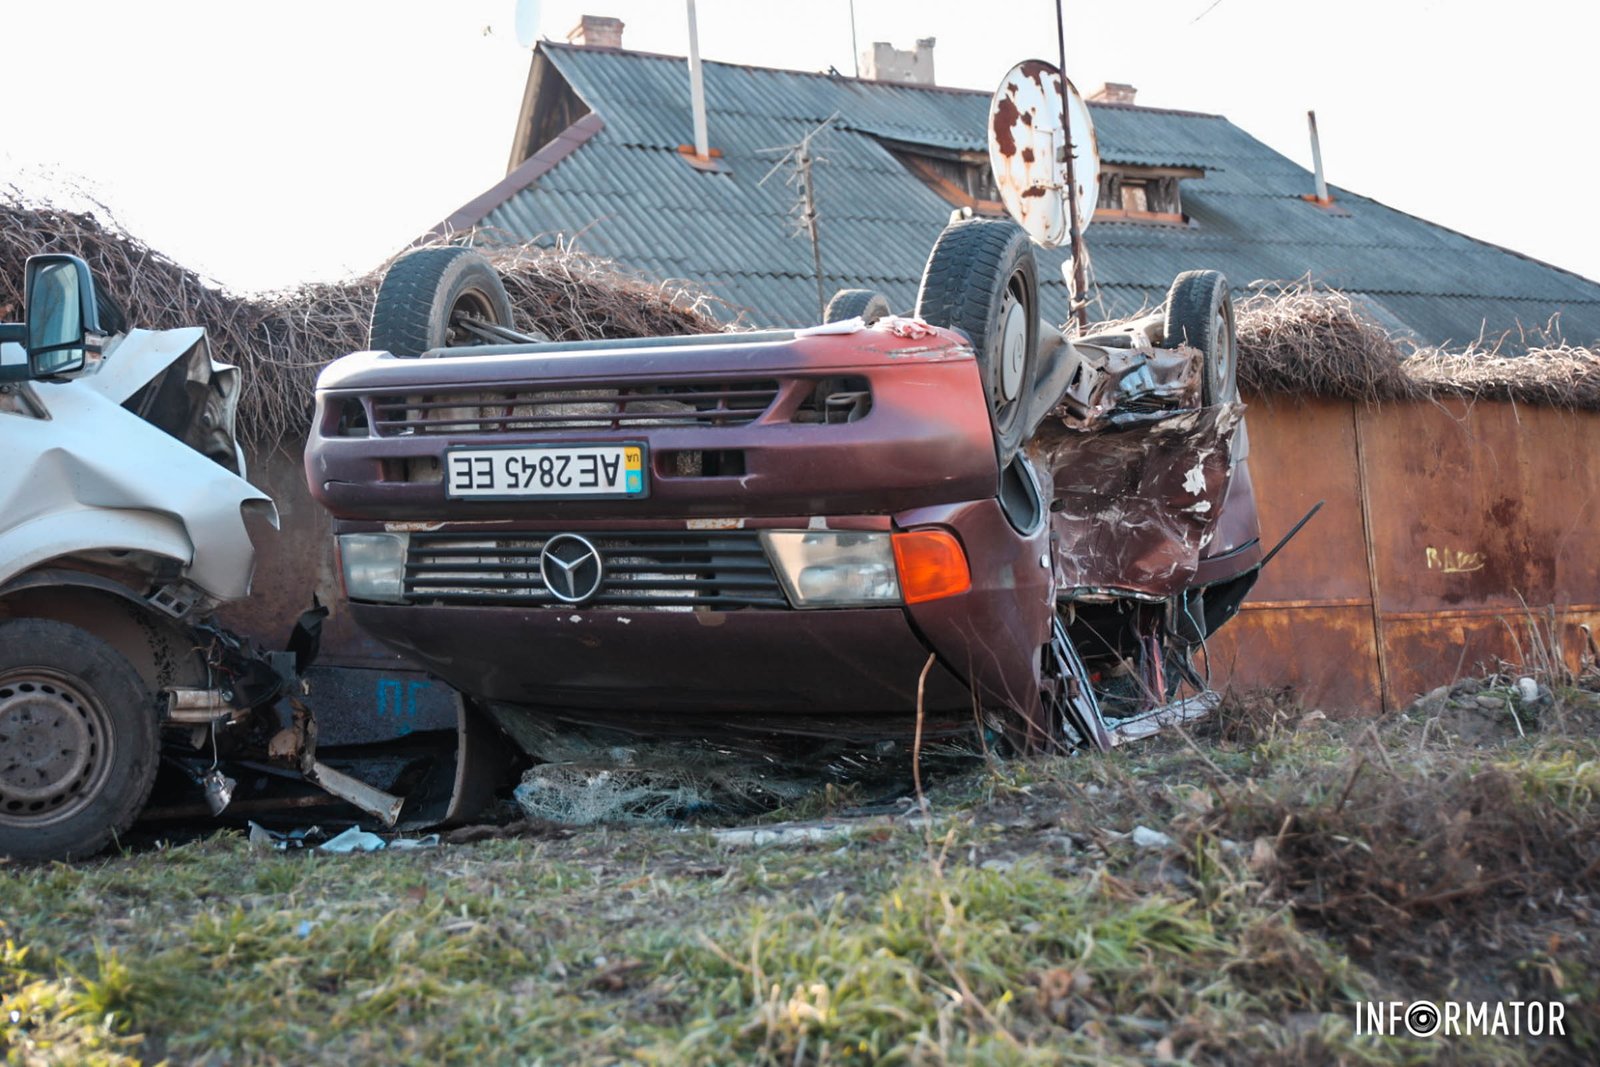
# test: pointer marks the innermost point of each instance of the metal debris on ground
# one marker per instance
(1144, 837)
(588, 777)
(351, 840)
(262, 838)
(622, 788)
(790, 834)
(584, 796)
(1185, 709)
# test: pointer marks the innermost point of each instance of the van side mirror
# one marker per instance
(63, 323)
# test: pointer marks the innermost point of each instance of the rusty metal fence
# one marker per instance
(1450, 527)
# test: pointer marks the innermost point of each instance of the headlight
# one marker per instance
(374, 565)
(826, 569)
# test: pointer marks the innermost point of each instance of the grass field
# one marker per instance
(1221, 897)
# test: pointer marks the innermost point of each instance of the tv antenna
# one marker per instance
(801, 158)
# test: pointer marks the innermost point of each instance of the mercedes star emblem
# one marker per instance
(571, 568)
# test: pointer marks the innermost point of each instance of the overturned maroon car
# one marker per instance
(952, 517)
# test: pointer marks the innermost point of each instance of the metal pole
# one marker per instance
(1316, 158)
(855, 49)
(1080, 283)
(697, 88)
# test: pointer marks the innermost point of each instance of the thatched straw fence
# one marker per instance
(1305, 341)
(1295, 341)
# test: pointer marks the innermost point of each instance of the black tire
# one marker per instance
(423, 293)
(980, 277)
(868, 305)
(1200, 314)
(79, 741)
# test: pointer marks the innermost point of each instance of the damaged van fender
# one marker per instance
(123, 523)
(85, 476)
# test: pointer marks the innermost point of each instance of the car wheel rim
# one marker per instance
(1013, 347)
(55, 747)
(1222, 356)
(471, 303)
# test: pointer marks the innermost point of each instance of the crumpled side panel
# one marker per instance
(94, 476)
(1138, 498)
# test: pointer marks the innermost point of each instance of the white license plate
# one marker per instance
(547, 471)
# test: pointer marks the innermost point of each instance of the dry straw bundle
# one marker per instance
(1555, 375)
(1300, 340)
(282, 339)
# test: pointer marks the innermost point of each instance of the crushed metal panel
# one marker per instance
(94, 475)
(1138, 500)
(135, 359)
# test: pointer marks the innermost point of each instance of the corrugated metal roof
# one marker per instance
(632, 197)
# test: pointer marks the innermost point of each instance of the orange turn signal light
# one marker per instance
(931, 565)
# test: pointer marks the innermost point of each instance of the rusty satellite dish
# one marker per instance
(1024, 139)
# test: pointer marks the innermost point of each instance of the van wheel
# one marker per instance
(981, 279)
(429, 295)
(79, 741)
(1200, 314)
(865, 304)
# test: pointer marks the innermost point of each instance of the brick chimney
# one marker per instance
(596, 31)
(1114, 93)
(886, 63)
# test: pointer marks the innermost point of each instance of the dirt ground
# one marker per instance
(1223, 895)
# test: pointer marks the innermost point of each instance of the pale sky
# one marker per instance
(266, 144)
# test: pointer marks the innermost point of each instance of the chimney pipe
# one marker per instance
(1114, 93)
(596, 31)
(886, 63)
(697, 88)
(1316, 160)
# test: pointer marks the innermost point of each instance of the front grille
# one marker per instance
(667, 570)
(605, 406)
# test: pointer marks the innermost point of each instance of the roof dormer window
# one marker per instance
(962, 178)
(1143, 194)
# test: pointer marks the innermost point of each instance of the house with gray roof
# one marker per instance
(603, 155)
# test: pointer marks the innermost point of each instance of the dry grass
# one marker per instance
(1298, 868)
(1250, 716)
(283, 339)
(1452, 860)
(1389, 845)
